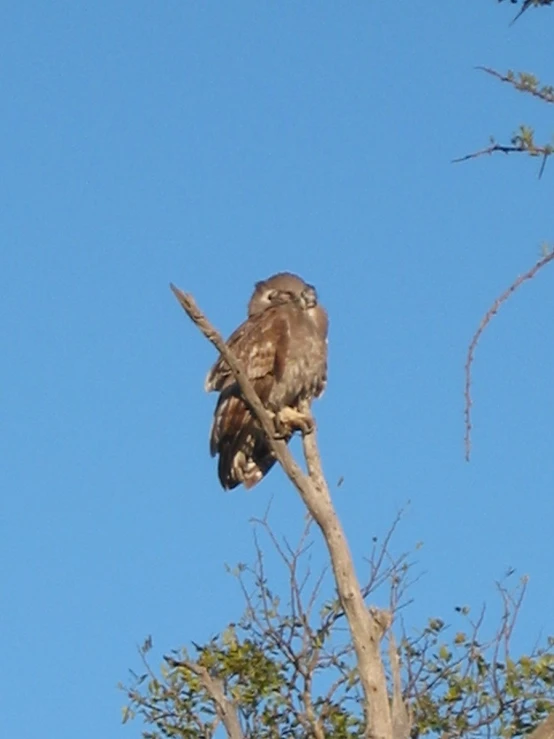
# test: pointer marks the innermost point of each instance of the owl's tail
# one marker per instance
(240, 442)
(245, 462)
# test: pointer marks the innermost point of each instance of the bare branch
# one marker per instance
(278, 447)
(493, 310)
(488, 150)
(225, 708)
(401, 722)
(528, 4)
(364, 625)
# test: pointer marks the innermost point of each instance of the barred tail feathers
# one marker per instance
(236, 436)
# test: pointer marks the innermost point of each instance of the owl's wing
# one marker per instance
(260, 344)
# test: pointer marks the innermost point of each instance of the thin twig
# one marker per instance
(528, 4)
(493, 310)
(544, 151)
(524, 84)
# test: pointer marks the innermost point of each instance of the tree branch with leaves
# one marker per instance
(288, 668)
(522, 141)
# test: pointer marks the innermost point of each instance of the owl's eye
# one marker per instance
(272, 295)
(309, 295)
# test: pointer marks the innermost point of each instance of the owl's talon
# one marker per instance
(293, 420)
(281, 433)
(305, 414)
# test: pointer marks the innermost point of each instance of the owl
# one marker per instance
(282, 346)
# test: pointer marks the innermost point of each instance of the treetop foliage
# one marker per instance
(288, 666)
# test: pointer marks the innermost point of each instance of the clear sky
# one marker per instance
(212, 144)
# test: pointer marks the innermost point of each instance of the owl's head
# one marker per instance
(280, 289)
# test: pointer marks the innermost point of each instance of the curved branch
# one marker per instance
(366, 627)
(492, 311)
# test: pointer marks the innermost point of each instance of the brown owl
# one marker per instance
(282, 345)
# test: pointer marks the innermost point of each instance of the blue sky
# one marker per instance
(212, 144)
